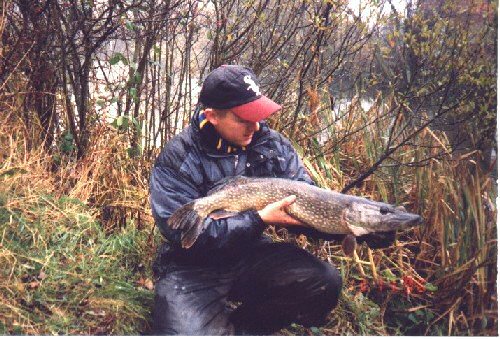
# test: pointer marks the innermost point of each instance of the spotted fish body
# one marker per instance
(324, 210)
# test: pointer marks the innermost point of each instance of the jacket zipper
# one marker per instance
(236, 158)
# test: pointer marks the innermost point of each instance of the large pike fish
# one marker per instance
(322, 209)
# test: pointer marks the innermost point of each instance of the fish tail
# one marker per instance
(189, 221)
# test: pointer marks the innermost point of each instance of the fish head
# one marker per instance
(364, 216)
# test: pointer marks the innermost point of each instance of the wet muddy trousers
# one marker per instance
(274, 285)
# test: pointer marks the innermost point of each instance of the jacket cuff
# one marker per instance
(259, 223)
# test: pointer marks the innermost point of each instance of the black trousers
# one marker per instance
(275, 284)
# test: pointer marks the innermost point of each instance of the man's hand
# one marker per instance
(275, 213)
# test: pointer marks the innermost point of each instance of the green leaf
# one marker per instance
(130, 26)
(101, 103)
(116, 58)
(137, 78)
(121, 122)
(387, 273)
(134, 151)
(136, 124)
(484, 322)
(67, 144)
(315, 330)
(133, 92)
(430, 287)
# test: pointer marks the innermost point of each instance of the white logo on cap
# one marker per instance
(253, 86)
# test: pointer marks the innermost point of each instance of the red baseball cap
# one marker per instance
(235, 87)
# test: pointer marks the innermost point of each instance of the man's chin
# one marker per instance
(245, 142)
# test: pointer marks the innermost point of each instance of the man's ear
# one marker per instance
(211, 116)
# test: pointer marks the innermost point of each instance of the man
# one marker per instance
(270, 284)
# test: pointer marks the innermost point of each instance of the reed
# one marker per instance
(437, 279)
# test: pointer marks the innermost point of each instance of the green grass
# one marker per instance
(62, 275)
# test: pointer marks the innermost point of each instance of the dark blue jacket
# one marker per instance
(189, 166)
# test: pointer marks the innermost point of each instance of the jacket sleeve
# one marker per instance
(170, 190)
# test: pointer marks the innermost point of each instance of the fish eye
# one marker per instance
(384, 210)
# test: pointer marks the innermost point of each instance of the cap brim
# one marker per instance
(256, 110)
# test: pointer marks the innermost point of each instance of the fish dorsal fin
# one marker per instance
(228, 182)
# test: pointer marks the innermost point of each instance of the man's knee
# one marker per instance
(328, 285)
(333, 282)
(321, 286)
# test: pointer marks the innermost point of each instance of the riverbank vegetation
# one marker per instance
(397, 105)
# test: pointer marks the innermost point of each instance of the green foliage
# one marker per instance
(135, 151)
(366, 313)
(123, 123)
(63, 275)
(133, 93)
(118, 57)
(131, 26)
(67, 143)
(438, 59)
(415, 322)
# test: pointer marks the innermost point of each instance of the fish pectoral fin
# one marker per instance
(349, 244)
(222, 214)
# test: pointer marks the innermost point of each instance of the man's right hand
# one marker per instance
(275, 213)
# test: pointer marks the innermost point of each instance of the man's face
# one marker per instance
(231, 127)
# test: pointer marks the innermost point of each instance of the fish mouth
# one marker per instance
(415, 220)
(407, 219)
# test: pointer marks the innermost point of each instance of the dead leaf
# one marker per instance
(149, 284)
(146, 283)
(34, 284)
(301, 241)
(42, 275)
(20, 287)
